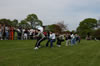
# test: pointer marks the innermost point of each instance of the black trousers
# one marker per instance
(59, 41)
(39, 40)
(48, 42)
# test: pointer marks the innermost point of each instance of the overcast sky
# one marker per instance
(51, 11)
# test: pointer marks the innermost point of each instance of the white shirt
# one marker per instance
(18, 30)
(52, 36)
(72, 36)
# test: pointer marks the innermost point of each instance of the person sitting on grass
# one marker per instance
(40, 37)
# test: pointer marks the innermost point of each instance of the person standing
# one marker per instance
(68, 39)
(40, 37)
(22, 33)
(53, 38)
(77, 38)
(25, 34)
(0, 32)
(11, 33)
(73, 39)
(14, 33)
(6, 32)
(48, 38)
(18, 33)
(3, 32)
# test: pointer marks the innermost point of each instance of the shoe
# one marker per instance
(36, 48)
(59, 45)
(39, 46)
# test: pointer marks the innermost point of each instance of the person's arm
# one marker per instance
(37, 35)
(50, 36)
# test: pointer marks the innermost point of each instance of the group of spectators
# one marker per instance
(6, 32)
(13, 33)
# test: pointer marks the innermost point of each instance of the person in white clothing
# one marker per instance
(52, 37)
(25, 34)
(73, 40)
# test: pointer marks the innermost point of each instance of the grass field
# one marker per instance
(21, 53)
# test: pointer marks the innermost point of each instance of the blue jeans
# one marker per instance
(73, 41)
(0, 34)
(51, 42)
(7, 35)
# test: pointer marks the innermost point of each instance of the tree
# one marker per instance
(24, 24)
(6, 21)
(55, 28)
(15, 22)
(86, 27)
(97, 34)
(39, 22)
(33, 20)
(98, 24)
(62, 25)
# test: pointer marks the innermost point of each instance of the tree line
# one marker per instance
(31, 21)
(89, 27)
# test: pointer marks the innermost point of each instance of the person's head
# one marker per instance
(3, 25)
(37, 30)
(76, 34)
(0, 25)
(57, 33)
(61, 33)
(25, 29)
(71, 33)
(50, 32)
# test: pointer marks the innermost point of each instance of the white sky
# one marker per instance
(51, 11)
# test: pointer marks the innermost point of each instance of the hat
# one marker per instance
(40, 28)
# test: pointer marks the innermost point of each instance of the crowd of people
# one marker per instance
(51, 37)
(15, 33)
(12, 33)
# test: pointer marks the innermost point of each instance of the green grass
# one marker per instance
(21, 53)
